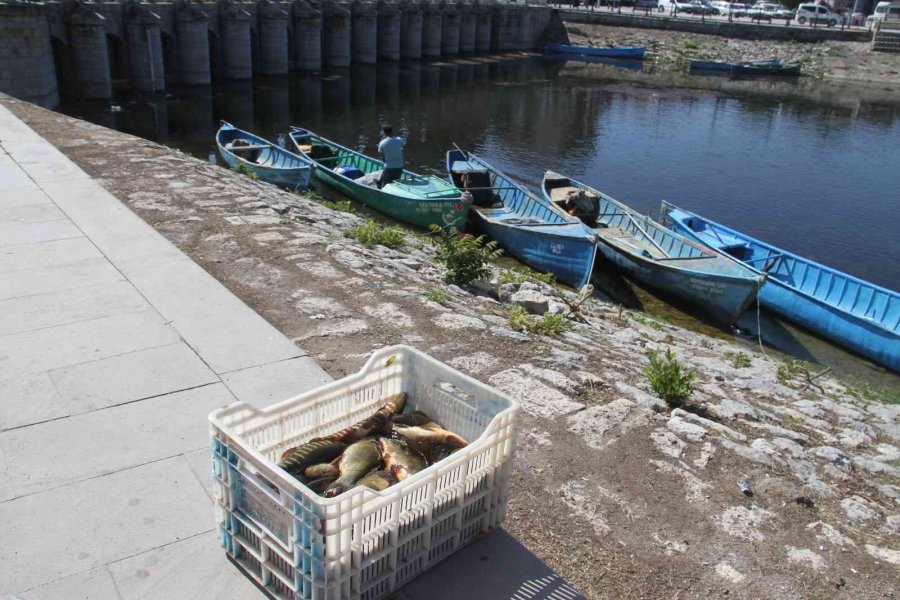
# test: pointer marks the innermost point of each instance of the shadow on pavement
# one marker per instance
(495, 567)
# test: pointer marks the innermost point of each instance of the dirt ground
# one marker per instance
(672, 50)
(620, 496)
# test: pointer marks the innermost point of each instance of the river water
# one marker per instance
(817, 178)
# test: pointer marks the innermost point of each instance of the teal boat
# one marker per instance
(420, 200)
(657, 257)
(269, 162)
(856, 314)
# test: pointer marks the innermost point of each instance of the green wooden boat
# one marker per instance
(419, 200)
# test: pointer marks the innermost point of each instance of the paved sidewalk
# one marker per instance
(114, 346)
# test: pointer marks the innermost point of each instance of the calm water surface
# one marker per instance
(816, 180)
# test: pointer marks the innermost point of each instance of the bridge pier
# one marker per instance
(411, 30)
(466, 29)
(450, 30)
(308, 25)
(193, 45)
(502, 33)
(142, 36)
(336, 30)
(273, 38)
(90, 57)
(365, 32)
(237, 57)
(483, 16)
(26, 65)
(388, 31)
(431, 30)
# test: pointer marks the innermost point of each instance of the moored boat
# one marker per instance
(419, 200)
(528, 227)
(633, 52)
(657, 257)
(269, 162)
(760, 68)
(856, 314)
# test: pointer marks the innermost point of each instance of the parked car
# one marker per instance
(682, 6)
(648, 5)
(740, 10)
(884, 11)
(769, 11)
(814, 13)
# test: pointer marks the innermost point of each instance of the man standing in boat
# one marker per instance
(391, 150)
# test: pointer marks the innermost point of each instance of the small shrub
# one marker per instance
(439, 296)
(341, 205)
(669, 379)
(371, 234)
(739, 360)
(873, 393)
(465, 257)
(690, 44)
(244, 170)
(639, 318)
(552, 324)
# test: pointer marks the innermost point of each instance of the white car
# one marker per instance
(884, 11)
(814, 13)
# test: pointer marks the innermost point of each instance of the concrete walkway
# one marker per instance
(114, 346)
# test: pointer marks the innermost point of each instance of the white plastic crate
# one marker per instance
(362, 544)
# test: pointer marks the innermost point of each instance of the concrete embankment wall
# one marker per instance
(90, 50)
(751, 31)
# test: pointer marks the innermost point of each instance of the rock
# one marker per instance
(742, 523)
(640, 396)
(455, 321)
(830, 535)
(832, 455)
(487, 286)
(730, 410)
(729, 573)
(891, 491)
(389, 313)
(575, 495)
(706, 453)
(668, 443)
(764, 445)
(891, 525)
(888, 453)
(557, 308)
(689, 431)
(850, 438)
(536, 398)
(671, 547)
(888, 555)
(565, 358)
(534, 302)
(789, 447)
(505, 291)
(805, 558)
(554, 378)
(754, 454)
(473, 363)
(709, 424)
(338, 328)
(780, 431)
(858, 510)
(695, 488)
(589, 379)
(505, 332)
(594, 423)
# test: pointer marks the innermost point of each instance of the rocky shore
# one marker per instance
(766, 484)
(673, 50)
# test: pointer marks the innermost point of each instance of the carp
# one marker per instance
(296, 460)
(399, 459)
(356, 461)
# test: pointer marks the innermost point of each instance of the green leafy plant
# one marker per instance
(873, 393)
(669, 379)
(691, 44)
(639, 318)
(523, 274)
(371, 234)
(739, 360)
(552, 324)
(244, 170)
(466, 258)
(439, 296)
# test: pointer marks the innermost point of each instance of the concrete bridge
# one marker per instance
(90, 49)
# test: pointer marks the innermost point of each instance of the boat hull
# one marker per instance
(633, 52)
(286, 169)
(559, 245)
(857, 334)
(420, 213)
(441, 207)
(766, 71)
(570, 259)
(727, 298)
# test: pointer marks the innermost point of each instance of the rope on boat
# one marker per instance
(759, 320)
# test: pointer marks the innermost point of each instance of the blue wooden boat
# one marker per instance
(761, 68)
(657, 257)
(271, 163)
(531, 229)
(633, 52)
(854, 313)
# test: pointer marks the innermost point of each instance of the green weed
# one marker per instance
(739, 360)
(439, 296)
(371, 234)
(691, 44)
(552, 324)
(669, 379)
(466, 258)
(523, 274)
(243, 170)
